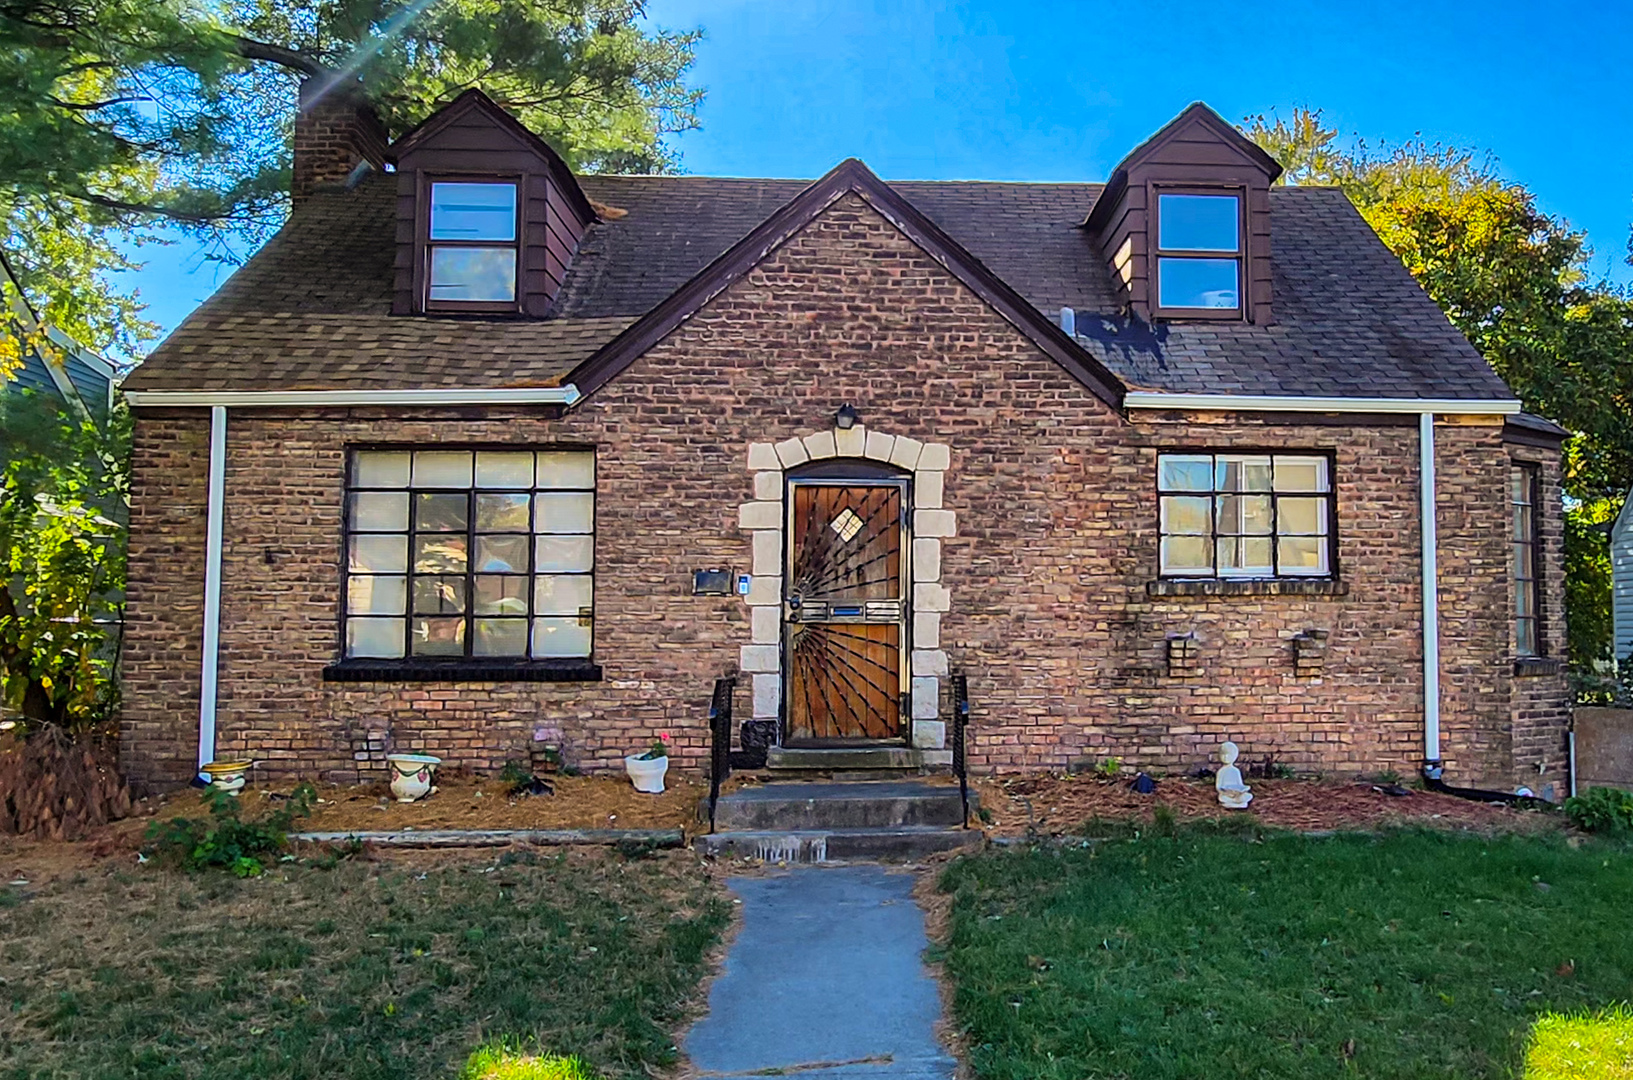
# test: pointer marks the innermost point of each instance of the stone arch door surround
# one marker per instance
(763, 519)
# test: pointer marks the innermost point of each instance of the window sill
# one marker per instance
(464, 671)
(1526, 666)
(1231, 587)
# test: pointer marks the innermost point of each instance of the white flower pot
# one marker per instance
(411, 775)
(646, 775)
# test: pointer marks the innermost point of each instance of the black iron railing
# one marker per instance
(719, 740)
(961, 722)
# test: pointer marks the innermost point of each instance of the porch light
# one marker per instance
(846, 417)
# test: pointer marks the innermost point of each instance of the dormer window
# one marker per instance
(471, 249)
(1199, 253)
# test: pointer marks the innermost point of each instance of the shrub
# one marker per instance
(1601, 810)
(225, 840)
(497, 1063)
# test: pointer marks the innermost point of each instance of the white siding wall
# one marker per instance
(1621, 570)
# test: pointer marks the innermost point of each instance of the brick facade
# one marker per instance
(1067, 651)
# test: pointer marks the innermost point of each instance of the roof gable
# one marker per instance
(849, 176)
(474, 109)
(1196, 124)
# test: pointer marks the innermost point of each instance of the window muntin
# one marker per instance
(1199, 252)
(1245, 515)
(470, 554)
(1523, 499)
(472, 253)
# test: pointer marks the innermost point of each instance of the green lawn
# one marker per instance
(365, 970)
(1412, 954)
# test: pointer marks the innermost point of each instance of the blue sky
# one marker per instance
(1061, 91)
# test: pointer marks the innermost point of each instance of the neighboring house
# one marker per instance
(1621, 579)
(78, 378)
(1148, 461)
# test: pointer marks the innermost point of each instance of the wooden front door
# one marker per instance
(844, 626)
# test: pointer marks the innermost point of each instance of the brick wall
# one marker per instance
(1541, 704)
(1066, 651)
(332, 135)
(164, 596)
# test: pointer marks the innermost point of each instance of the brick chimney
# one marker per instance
(334, 131)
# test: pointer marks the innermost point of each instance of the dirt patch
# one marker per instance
(1054, 805)
(579, 802)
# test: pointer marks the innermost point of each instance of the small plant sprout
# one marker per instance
(659, 748)
(1110, 767)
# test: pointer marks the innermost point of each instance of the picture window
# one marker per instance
(469, 554)
(1245, 515)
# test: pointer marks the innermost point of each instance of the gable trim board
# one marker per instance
(267, 399)
(849, 176)
(1236, 402)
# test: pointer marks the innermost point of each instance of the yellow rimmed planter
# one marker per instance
(228, 776)
(411, 775)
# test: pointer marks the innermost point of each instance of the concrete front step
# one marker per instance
(837, 845)
(846, 759)
(819, 806)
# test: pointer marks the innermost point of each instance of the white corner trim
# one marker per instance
(1271, 403)
(1431, 588)
(252, 399)
(212, 584)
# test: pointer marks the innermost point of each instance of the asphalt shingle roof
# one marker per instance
(312, 310)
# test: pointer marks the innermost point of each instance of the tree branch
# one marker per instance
(143, 208)
(250, 49)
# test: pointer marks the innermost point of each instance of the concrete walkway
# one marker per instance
(825, 982)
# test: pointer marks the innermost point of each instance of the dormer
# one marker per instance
(488, 215)
(1183, 225)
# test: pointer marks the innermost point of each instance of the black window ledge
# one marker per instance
(1538, 665)
(462, 671)
(1235, 587)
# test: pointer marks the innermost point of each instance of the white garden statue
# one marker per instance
(1233, 793)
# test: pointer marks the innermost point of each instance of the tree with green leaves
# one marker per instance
(62, 497)
(118, 115)
(1514, 280)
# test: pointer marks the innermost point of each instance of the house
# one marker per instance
(77, 379)
(1621, 578)
(476, 446)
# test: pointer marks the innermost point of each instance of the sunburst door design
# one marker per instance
(845, 611)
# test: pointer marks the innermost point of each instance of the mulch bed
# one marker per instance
(1054, 805)
(579, 802)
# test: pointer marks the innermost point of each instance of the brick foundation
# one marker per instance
(1068, 652)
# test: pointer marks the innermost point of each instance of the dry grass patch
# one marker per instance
(396, 968)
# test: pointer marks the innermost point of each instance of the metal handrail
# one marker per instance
(719, 740)
(961, 720)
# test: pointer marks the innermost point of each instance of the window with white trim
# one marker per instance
(1245, 515)
(475, 554)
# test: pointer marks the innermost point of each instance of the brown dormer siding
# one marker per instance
(473, 140)
(1196, 152)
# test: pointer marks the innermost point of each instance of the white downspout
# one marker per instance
(1431, 595)
(212, 585)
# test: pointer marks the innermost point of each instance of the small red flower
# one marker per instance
(664, 736)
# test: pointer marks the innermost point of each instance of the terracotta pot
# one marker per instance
(228, 776)
(411, 775)
(646, 773)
